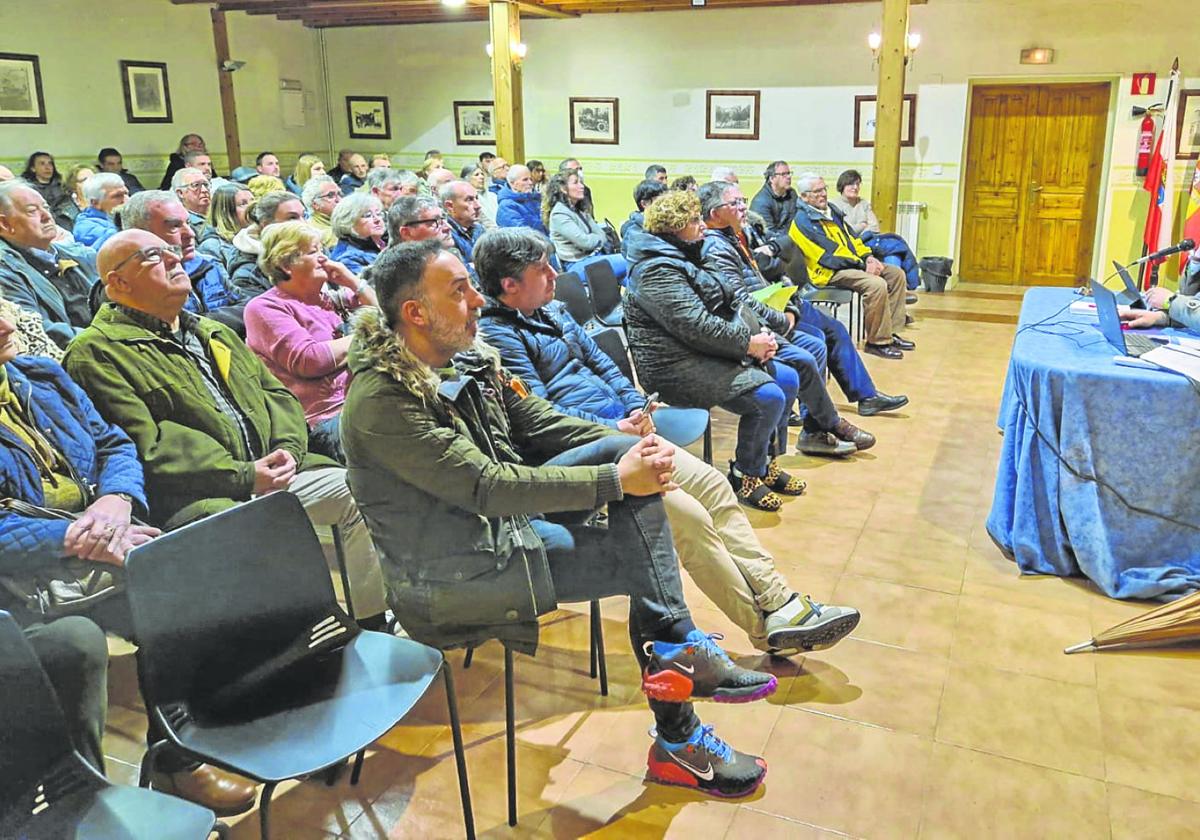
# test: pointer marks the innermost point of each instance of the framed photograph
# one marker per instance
(732, 115)
(475, 123)
(147, 92)
(1187, 125)
(368, 117)
(864, 121)
(21, 98)
(595, 120)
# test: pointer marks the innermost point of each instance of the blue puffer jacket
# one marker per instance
(465, 240)
(211, 245)
(559, 362)
(354, 253)
(93, 227)
(516, 209)
(349, 184)
(100, 454)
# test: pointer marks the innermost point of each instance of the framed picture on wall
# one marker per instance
(475, 123)
(147, 92)
(731, 115)
(595, 120)
(21, 98)
(1187, 127)
(368, 117)
(865, 116)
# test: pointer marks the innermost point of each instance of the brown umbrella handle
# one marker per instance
(1082, 647)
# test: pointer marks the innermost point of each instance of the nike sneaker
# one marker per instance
(699, 670)
(803, 623)
(704, 762)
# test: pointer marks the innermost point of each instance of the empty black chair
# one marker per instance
(47, 790)
(605, 289)
(248, 662)
(571, 290)
(609, 340)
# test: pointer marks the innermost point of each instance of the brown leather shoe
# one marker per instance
(847, 431)
(226, 794)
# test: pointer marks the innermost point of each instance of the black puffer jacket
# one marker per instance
(62, 206)
(777, 210)
(687, 339)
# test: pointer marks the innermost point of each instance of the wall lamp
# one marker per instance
(519, 51)
(911, 41)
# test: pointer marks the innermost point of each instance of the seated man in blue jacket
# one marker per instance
(540, 342)
(517, 203)
(460, 203)
(105, 192)
(37, 273)
(56, 451)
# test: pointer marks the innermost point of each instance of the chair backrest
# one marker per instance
(218, 601)
(793, 261)
(604, 286)
(609, 340)
(33, 732)
(574, 294)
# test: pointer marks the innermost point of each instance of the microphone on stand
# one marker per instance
(1184, 245)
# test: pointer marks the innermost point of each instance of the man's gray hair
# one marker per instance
(405, 210)
(712, 196)
(176, 179)
(379, 177)
(191, 156)
(136, 212)
(805, 180)
(95, 187)
(514, 173)
(446, 193)
(349, 210)
(313, 186)
(7, 188)
(507, 252)
(724, 173)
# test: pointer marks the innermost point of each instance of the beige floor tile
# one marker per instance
(1140, 815)
(873, 683)
(845, 776)
(905, 616)
(913, 558)
(1022, 639)
(1052, 724)
(748, 822)
(1152, 747)
(976, 795)
(1164, 677)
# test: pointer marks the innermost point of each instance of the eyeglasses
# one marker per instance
(740, 202)
(197, 186)
(437, 221)
(330, 195)
(822, 191)
(372, 214)
(787, 174)
(150, 256)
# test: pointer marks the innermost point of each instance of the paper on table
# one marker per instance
(1176, 359)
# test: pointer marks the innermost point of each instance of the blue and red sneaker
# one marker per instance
(705, 762)
(699, 670)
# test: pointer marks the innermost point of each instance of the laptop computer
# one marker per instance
(1126, 342)
(1131, 297)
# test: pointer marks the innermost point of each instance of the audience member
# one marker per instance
(260, 185)
(389, 184)
(356, 177)
(577, 237)
(162, 214)
(381, 161)
(30, 337)
(485, 160)
(889, 248)
(42, 174)
(228, 214)
(474, 175)
(299, 328)
(573, 163)
(643, 194)
(489, 197)
(343, 165)
(200, 160)
(434, 153)
(272, 209)
(187, 143)
(38, 274)
(358, 223)
(691, 344)
(307, 166)
(321, 196)
(656, 172)
(517, 205)
(73, 183)
(436, 179)
(212, 426)
(415, 218)
(724, 173)
(685, 183)
(94, 224)
(195, 191)
(776, 201)
(267, 163)
(110, 160)
(440, 469)
(539, 342)
(836, 257)
(461, 205)
(537, 171)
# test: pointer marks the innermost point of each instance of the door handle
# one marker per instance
(1035, 188)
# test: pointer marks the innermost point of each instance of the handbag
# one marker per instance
(67, 587)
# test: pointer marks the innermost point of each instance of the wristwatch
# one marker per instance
(124, 496)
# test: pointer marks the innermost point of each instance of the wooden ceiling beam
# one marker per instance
(339, 6)
(533, 8)
(376, 17)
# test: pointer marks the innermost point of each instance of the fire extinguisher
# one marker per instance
(1145, 143)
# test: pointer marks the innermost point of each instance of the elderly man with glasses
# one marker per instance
(320, 196)
(414, 218)
(195, 192)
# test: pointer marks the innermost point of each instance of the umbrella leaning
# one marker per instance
(1170, 624)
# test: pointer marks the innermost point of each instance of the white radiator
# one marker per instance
(908, 221)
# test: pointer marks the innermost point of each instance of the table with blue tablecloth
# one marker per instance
(1100, 470)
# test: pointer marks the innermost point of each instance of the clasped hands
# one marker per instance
(104, 533)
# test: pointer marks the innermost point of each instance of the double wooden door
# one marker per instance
(1034, 158)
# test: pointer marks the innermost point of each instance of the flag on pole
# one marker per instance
(1191, 217)
(1160, 182)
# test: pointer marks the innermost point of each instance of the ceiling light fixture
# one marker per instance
(454, 4)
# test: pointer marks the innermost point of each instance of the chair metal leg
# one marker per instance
(339, 551)
(460, 759)
(598, 646)
(708, 444)
(467, 659)
(358, 765)
(510, 735)
(264, 810)
(148, 763)
(220, 829)
(593, 618)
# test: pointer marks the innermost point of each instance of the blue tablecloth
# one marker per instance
(1134, 430)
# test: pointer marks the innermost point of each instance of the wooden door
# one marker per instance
(1034, 156)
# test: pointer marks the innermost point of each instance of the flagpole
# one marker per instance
(1170, 161)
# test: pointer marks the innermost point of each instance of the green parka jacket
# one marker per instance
(439, 465)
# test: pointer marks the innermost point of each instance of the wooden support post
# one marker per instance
(233, 143)
(505, 22)
(885, 174)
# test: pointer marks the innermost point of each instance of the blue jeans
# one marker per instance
(634, 556)
(764, 416)
(325, 438)
(619, 266)
(845, 363)
(820, 414)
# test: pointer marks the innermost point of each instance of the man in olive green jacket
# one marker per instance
(441, 452)
(212, 426)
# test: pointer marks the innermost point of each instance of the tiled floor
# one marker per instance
(951, 712)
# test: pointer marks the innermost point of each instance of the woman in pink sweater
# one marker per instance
(299, 329)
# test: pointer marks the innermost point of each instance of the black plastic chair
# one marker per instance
(248, 663)
(610, 341)
(48, 790)
(570, 289)
(605, 288)
(835, 299)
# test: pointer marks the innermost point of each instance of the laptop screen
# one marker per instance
(1110, 321)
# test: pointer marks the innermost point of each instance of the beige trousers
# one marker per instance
(882, 300)
(718, 547)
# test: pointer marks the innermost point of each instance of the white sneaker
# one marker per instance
(805, 624)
